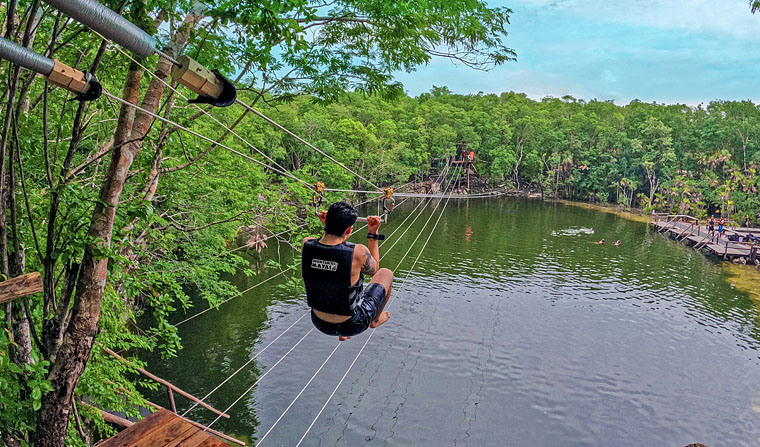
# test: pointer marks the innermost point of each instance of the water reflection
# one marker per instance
(509, 332)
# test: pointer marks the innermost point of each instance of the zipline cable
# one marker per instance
(373, 331)
(370, 336)
(155, 76)
(251, 109)
(243, 366)
(279, 126)
(192, 132)
(306, 313)
(262, 376)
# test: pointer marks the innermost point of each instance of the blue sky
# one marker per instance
(687, 51)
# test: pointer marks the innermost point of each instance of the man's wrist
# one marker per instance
(375, 236)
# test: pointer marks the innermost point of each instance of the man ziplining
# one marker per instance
(333, 272)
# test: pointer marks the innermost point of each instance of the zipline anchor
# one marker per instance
(210, 85)
(83, 83)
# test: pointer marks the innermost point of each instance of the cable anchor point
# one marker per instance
(210, 85)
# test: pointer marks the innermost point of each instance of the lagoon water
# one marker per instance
(513, 329)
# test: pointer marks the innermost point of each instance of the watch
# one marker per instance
(379, 237)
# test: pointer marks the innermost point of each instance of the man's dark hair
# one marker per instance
(340, 216)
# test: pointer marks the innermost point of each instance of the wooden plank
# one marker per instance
(110, 418)
(173, 429)
(212, 442)
(214, 432)
(138, 431)
(196, 438)
(20, 287)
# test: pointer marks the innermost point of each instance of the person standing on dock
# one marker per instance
(721, 223)
(711, 225)
(333, 272)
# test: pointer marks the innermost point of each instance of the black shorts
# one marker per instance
(367, 309)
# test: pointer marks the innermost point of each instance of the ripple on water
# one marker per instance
(515, 332)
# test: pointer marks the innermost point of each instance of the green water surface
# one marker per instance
(513, 329)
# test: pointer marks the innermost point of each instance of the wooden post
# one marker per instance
(20, 287)
(171, 399)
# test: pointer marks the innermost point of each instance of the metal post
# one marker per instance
(111, 25)
(57, 73)
(25, 57)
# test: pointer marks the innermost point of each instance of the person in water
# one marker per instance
(600, 242)
(333, 272)
(591, 231)
(617, 243)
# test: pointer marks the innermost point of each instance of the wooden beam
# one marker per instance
(110, 418)
(19, 287)
(167, 384)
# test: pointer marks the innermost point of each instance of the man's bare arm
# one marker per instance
(370, 266)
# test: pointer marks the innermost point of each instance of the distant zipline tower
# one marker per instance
(466, 158)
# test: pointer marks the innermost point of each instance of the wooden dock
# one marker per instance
(690, 231)
(163, 429)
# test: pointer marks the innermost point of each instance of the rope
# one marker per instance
(419, 195)
(370, 336)
(282, 171)
(373, 331)
(299, 395)
(279, 126)
(192, 132)
(302, 316)
(260, 378)
(271, 236)
(243, 366)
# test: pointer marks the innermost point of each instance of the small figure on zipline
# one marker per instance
(333, 272)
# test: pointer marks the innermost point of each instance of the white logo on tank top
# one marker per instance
(330, 266)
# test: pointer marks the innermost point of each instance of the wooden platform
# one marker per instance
(163, 429)
(691, 232)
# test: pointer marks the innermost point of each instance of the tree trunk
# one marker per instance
(72, 355)
(80, 334)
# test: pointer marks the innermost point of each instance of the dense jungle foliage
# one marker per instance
(126, 215)
(669, 158)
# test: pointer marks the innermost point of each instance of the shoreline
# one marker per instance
(742, 277)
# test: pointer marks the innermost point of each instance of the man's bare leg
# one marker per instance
(342, 338)
(384, 277)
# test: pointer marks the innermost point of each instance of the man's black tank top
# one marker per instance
(326, 273)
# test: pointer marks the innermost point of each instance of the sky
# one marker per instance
(665, 51)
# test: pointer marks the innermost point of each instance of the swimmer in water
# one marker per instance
(591, 231)
(600, 242)
(617, 243)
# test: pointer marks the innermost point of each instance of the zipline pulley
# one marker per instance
(388, 201)
(210, 85)
(318, 196)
